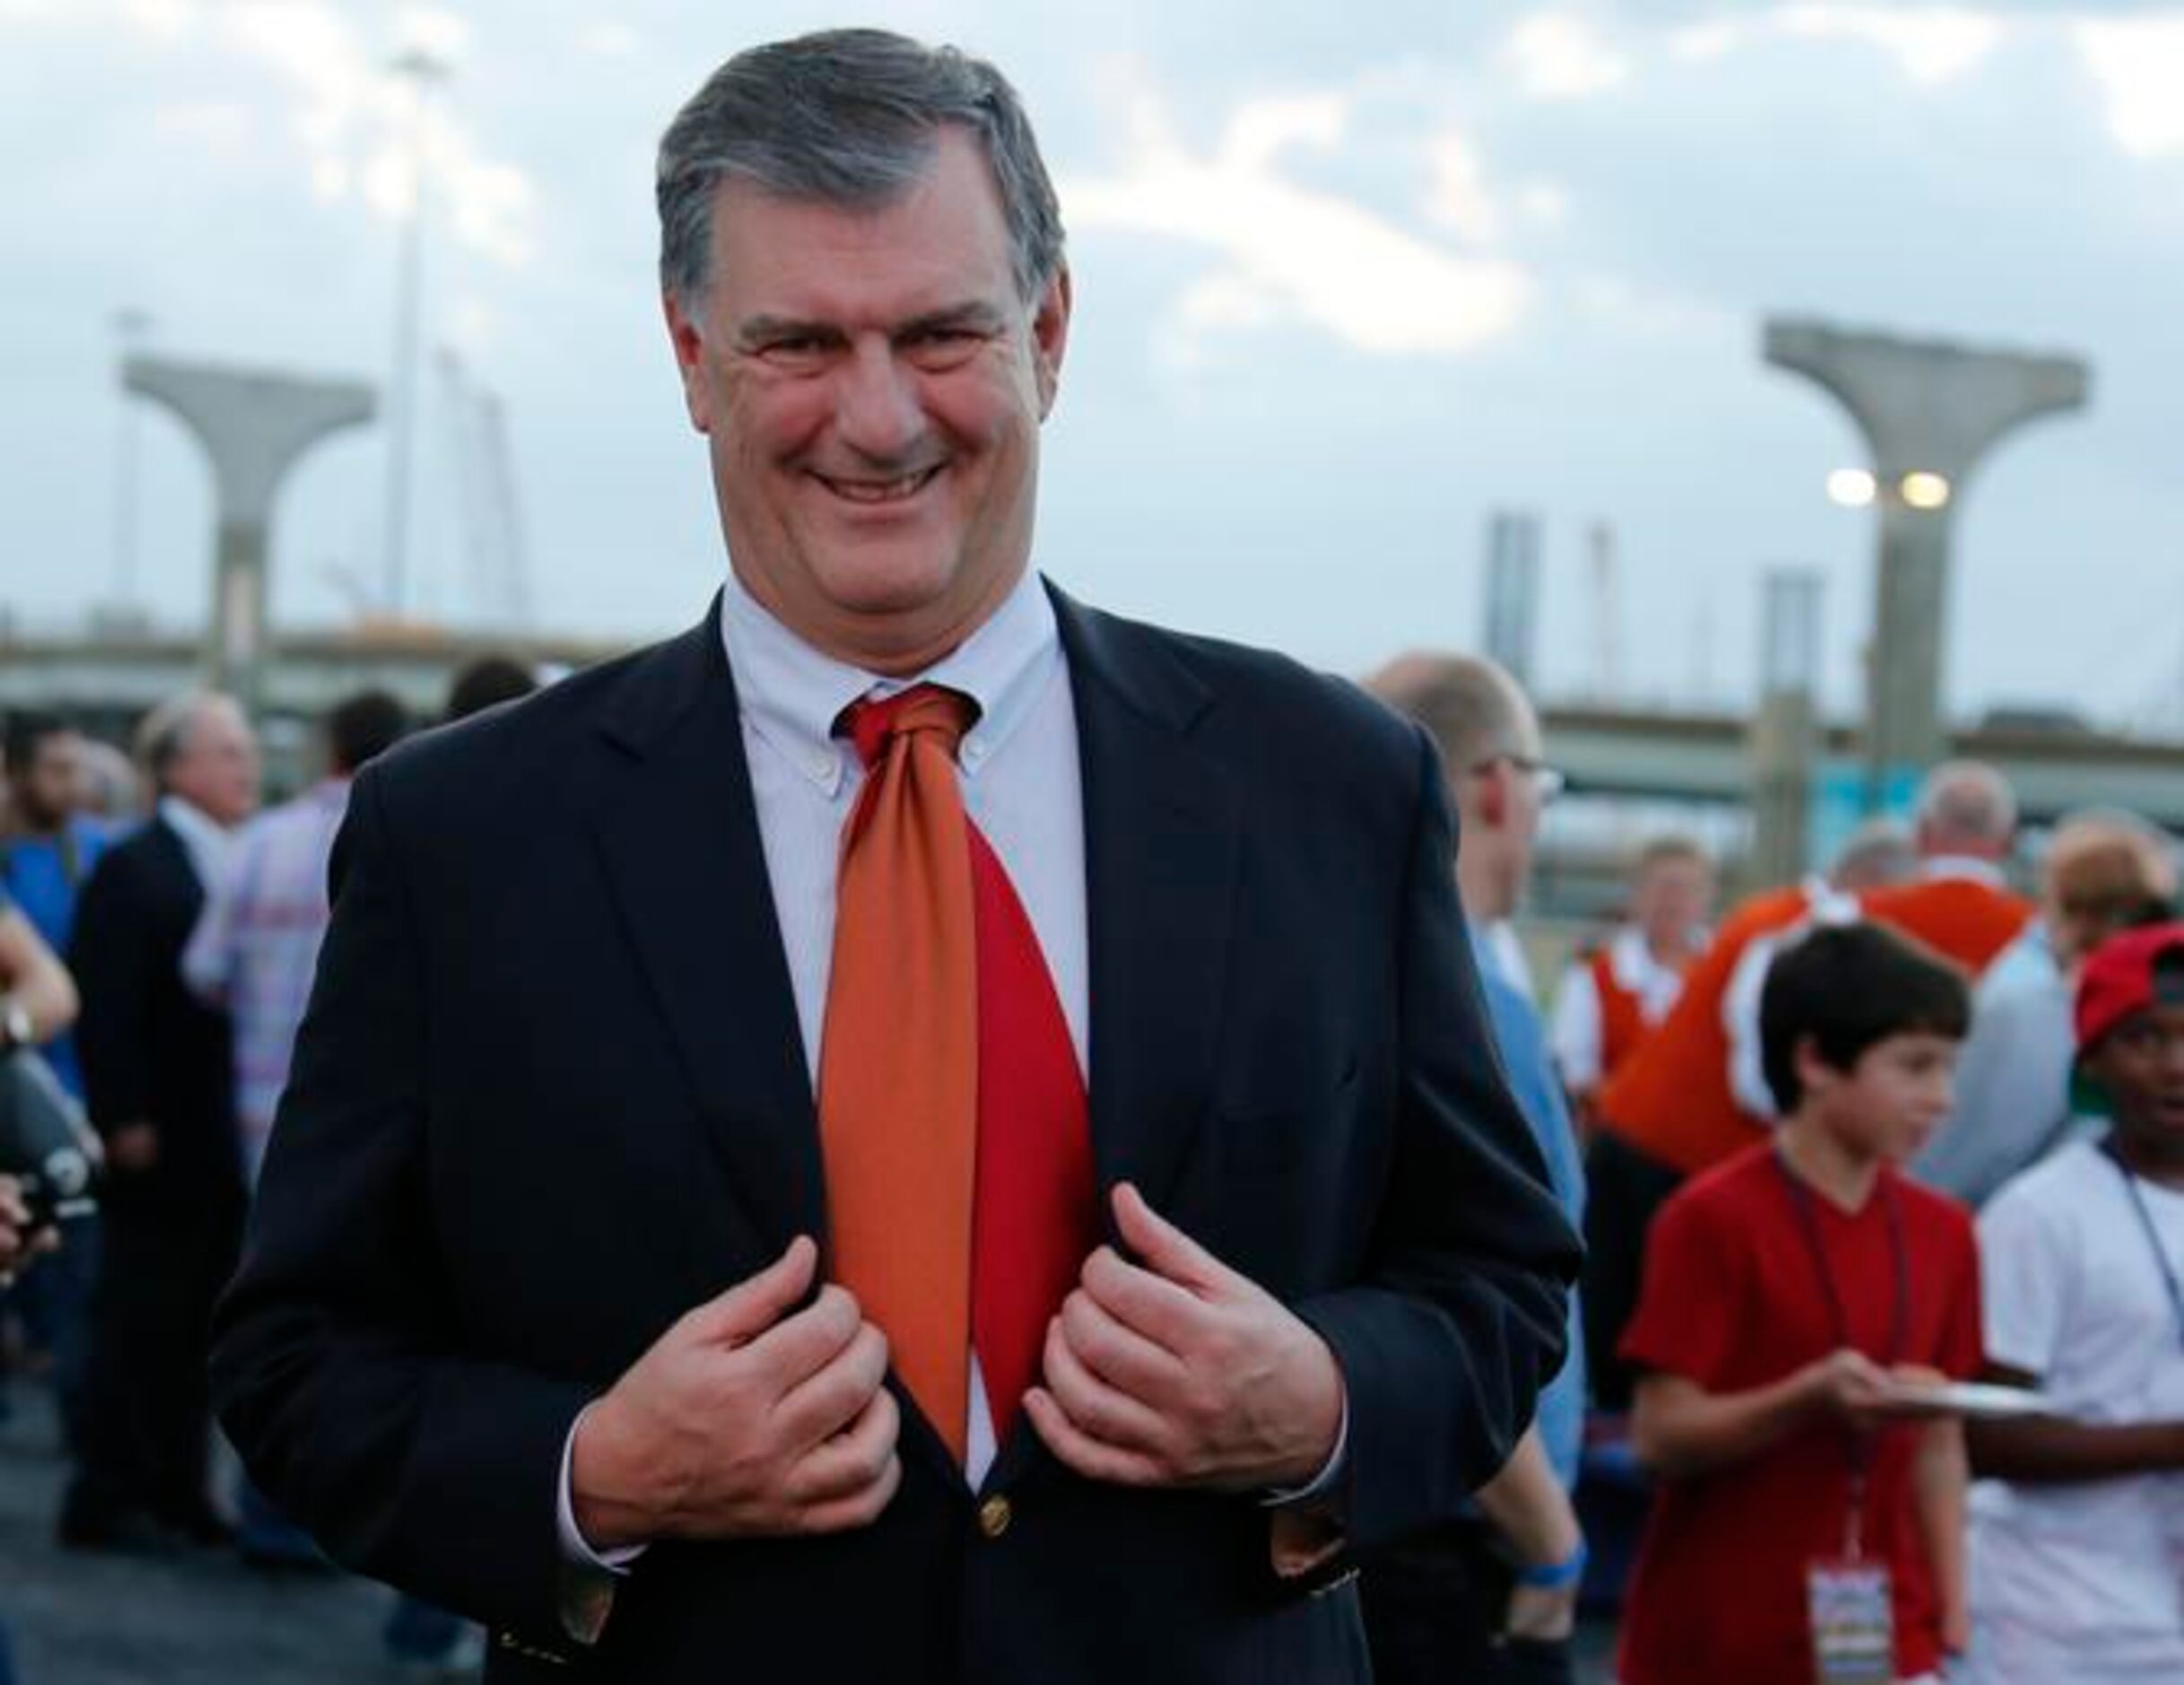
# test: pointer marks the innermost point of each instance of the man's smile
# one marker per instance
(869, 491)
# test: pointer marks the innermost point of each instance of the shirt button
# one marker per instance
(994, 1515)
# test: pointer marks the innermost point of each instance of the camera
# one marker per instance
(46, 1144)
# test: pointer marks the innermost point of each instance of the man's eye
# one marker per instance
(941, 343)
(795, 348)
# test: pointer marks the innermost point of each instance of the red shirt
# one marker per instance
(1733, 1300)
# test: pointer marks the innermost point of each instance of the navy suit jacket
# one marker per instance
(550, 1093)
(152, 1052)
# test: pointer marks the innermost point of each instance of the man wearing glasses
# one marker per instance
(1497, 1596)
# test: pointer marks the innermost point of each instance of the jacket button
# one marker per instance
(994, 1515)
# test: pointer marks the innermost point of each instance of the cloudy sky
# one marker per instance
(1346, 284)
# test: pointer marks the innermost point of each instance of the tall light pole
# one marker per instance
(421, 71)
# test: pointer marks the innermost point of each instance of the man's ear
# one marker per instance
(1493, 783)
(687, 338)
(1814, 1073)
(1049, 338)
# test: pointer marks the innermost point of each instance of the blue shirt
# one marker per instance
(1521, 1039)
(43, 878)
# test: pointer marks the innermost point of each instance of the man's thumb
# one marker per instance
(754, 1304)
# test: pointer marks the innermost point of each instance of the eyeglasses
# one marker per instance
(1547, 781)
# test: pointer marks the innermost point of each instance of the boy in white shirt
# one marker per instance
(2077, 1543)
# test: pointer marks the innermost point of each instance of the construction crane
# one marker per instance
(496, 566)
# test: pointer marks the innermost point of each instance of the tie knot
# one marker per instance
(923, 709)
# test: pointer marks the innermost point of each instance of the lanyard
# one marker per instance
(2153, 1235)
(1858, 1448)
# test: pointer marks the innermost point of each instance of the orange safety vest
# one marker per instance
(1671, 1099)
(1967, 920)
(1622, 1018)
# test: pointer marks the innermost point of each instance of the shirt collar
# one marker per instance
(792, 694)
(1631, 960)
(1967, 867)
(204, 838)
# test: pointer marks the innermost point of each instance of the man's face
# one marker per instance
(872, 386)
(51, 787)
(217, 769)
(1893, 1098)
(2140, 1065)
(1674, 898)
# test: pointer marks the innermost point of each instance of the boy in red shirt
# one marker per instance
(1798, 1300)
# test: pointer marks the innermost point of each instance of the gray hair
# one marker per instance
(846, 117)
(1966, 803)
(1470, 706)
(162, 736)
(1878, 853)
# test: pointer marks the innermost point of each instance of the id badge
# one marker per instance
(1853, 1618)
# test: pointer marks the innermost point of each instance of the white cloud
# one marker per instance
(1933, 44)
(427, 29)
(354, 122)
(167, 20)
(2139, 64)
(1557, 56)
(1460, 200)
(1290, 252)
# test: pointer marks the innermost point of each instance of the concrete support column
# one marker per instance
(253, 426)
(1929, 411)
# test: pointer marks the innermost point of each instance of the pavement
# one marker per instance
(199, 1618)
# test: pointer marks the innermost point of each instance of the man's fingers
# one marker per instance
(860, 1509)
(852, 1460)
(756, 1302)
(1121, 1358)
(1150, 1307)
(833, 1394)
(1079, 1451)
(1113, 1418)
(1162, 1247)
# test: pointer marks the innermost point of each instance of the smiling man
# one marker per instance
(917, 1130)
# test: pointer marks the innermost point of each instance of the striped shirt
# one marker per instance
(256, 946)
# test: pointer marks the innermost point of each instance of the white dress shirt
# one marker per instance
(1021, 787)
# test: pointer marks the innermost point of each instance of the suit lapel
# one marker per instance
(676, 828)
(1161, 834)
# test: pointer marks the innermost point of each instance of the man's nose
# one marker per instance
(876, 410)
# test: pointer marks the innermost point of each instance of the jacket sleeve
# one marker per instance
(111, 957)
(336, 1368)
(1460, 1320)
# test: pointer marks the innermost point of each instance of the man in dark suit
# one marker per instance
(159, 1089)
(1086, 1006)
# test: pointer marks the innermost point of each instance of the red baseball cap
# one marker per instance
(2117, 981)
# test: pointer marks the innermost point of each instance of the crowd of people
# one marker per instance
(1867, 1137)
(920, 1129)
(157, 963)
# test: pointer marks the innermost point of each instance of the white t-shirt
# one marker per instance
(2082, 1581)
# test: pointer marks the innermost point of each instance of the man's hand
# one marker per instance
(1848, 1384)
(1180, 1372)
(1541, 1614)
(743, 1421)
(133, 1147)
